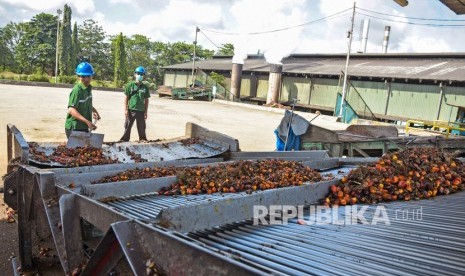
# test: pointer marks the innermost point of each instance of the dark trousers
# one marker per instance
(68, 131)
(138, 116)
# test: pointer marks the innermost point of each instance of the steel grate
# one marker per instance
(149, 206)
(434, 245)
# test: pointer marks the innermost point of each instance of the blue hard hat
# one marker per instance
(84, 69)
(140, 69)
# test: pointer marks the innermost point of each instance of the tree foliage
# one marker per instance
(30, 47)
(12, 34)
(95, 48)
(6, 56)
(226, 50)
(139, 52)
(121, 75)
(65, 65)
(178, 52)
(75, 48)
(36, 48)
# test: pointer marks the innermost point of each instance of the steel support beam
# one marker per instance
(49, 200)
(71, 229)
(105, 257)
(313, 154)
(222, 211)
(98, 214)
(141, 244)
(127, 188)
(25, 188)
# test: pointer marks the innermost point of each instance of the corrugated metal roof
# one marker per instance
(457, 6)
(441, 67)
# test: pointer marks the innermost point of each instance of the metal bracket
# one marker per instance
(147, 249)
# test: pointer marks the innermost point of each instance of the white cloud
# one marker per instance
(175, 20)
(179, 16)
(82, 7)
(423, 44)
(36, 5)
(258, 16)
(114, 2)
(79, 6)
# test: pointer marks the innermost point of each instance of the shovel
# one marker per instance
(84, 139)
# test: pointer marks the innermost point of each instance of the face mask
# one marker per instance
(139, 78)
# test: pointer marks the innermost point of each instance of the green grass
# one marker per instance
(45, 78)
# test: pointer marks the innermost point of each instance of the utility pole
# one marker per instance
(197, 30)
(56, 57)
(344, 86)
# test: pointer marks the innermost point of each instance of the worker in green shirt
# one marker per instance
(136, 105)
(80, 109)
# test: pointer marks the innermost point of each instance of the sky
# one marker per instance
(232, 21)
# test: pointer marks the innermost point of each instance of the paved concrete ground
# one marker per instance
(39, 113)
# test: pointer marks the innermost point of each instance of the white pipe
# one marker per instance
(364, 41)
(387, 31)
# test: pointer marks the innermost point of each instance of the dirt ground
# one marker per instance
(39, 113)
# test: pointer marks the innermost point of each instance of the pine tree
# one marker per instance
(75, 48)
(64, 44)
(121, 75)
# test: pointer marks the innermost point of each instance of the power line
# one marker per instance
(416, 18)
(282, 29)
(209, 39)
(415, 23)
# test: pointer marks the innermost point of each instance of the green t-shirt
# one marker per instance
(137, 95)
(81, 99)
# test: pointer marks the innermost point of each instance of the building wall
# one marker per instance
(227, 82)
(169, 78)
(405, 100)
(374, 94)
(452, 96)
(246, 85)
(324, 92)
(177, 78)
(296, 88)
(262, 86)
(414, 101)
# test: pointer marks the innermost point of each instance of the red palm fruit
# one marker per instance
(353, 200)
(333, 189)
(402, 184)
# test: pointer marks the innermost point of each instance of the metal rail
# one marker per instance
(436, 126)
(17, 146)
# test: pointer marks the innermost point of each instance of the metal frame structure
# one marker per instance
(213, 234)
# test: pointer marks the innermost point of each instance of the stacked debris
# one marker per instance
(135, 156)
(241, 176)
(276, 105)
(137, 173)
(81, 156)
(414, 173)
(191, 141)
(229, 177)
